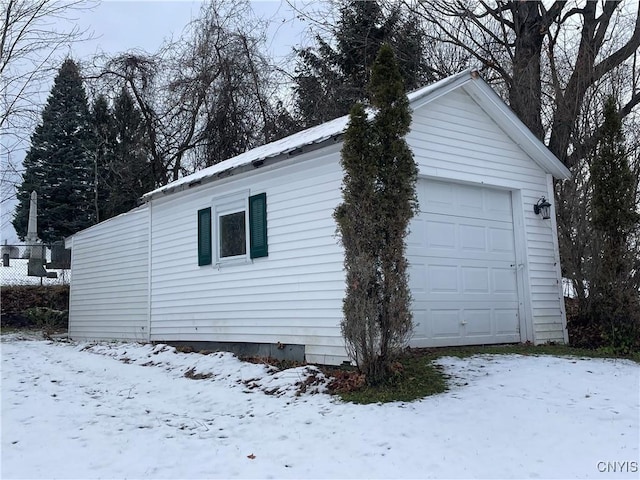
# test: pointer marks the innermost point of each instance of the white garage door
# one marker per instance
(462, 266)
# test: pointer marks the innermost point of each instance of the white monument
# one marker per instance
(34, 247)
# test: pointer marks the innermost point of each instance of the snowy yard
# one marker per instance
(128, 411)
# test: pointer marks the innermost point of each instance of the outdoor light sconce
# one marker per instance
(543, 207)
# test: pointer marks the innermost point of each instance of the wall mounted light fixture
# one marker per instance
(542, 208)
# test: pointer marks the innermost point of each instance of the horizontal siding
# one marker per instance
(293, 296)
(110, 286)
(452, 138)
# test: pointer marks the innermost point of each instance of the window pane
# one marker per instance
(232, 235)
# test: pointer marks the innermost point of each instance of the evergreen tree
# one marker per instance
(103, 130)
(379, 201)
(614, 298)
(330, 79)
(58, 165)
(129, 174)
(122, 161)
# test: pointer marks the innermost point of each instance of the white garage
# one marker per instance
(484, 266)
(463, 266)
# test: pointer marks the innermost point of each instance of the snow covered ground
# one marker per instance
(128, 411)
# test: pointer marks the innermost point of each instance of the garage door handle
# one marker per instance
(520, 266)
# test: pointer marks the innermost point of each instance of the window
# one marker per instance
(231, 217)
(232, 233)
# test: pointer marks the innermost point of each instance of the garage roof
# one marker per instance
(468, 79)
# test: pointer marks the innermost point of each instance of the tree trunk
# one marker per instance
(525, 89)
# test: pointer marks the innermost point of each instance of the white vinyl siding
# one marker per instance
(454, 139)
(292, 296)
(110, 282)
(125, 288)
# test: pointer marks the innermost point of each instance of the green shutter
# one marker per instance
(204, 236)
(258, 225)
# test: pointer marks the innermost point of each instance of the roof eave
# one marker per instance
(239, 169)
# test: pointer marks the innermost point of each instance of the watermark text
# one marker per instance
(618, 467)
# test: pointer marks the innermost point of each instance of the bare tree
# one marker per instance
(205, 97)
(549, 56)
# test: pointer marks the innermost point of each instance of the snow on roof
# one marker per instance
(314, 135)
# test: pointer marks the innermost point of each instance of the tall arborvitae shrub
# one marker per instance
(613, 302)
(379, 200)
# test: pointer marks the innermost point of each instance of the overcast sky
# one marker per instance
(125, 25)
(117, 26)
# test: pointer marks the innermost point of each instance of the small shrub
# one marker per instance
(621, 339)
(48, 319)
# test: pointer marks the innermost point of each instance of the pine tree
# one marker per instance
(59, 165)
(122, 161)
(330, 79)
(129, 175)
(614, 299)
(103, 131)
(379, 201)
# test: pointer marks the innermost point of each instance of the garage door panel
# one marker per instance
(473, 201)
(504, 318)
(462, 266)
(471, 198)
(417, 233)
(445, 323)
(432, 277)
(426, 278)
(473, 238)
(480, 321)
(504, 281)
(498, 203)
(477, 323)
(475, 280)
(442, 279)
(459, 237)
(442, 235)
(439, 232)
(501, 240)
(455, 220)
(454, 298)
(418, 279)
(436, 196)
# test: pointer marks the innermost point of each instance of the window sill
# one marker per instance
(232, 262)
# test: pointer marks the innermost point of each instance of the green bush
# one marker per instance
(18, 300)
(597, 328)
(48, 319)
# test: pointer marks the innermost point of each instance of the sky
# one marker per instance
(118, 26)
(125, 25)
